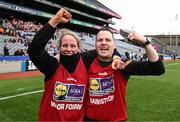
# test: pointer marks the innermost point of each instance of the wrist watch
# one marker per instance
(148, 41)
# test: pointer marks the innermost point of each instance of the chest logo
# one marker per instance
(68, 92)
(60, 91)
(94, 84)
(101, 86)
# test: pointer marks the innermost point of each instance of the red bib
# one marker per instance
(63, 98)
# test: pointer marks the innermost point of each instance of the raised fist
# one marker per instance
(63, 15)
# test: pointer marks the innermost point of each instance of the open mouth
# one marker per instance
(104, 49)
(68, 54)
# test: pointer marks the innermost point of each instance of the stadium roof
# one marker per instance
(98, 6)
(88, 15)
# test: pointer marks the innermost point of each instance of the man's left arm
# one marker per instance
(144, 67)
(154, 66)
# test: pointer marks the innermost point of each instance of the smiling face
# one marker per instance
(69, 45)
(105, 45)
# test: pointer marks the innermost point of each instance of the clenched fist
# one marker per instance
(62, 16)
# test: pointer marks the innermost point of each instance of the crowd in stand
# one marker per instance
(18, 28)
(22, 32)
(18, 31)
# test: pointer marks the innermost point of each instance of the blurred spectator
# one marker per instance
(144, 56)
(127, 55)
(1, 30)
(132, 56)
(22, 52)
(174, 56)
(139, 56)
(6, 50)
(17, 52)
(161, 57)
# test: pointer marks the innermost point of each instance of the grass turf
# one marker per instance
(150, 98)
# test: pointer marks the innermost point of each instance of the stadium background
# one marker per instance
(149, 99)
(21, 19)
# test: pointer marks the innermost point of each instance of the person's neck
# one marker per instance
(69, 60)
(105, 59)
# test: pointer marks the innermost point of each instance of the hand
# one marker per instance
(137, 37)
(57, 56)
(63, 15)
(117, 63)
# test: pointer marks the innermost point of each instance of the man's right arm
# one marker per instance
(154, 66)
(144, 67)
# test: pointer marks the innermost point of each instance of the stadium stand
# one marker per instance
(21, 19)
(24, 18)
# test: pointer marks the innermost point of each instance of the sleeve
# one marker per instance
(145, 68)
(37, 53)
(88, 57)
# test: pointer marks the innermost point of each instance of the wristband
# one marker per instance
(148, 41)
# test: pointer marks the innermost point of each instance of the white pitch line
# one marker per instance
(172, 64)
(18, 95)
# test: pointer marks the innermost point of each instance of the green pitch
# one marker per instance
(149, 98)
(153, 98)
(20, 108)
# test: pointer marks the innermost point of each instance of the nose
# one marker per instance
(103, 41)
(69, 48)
